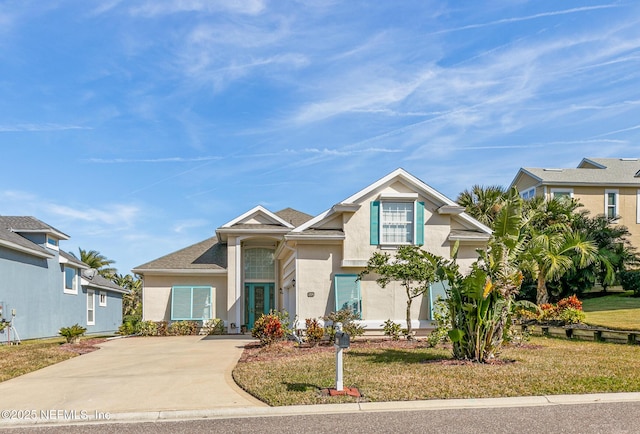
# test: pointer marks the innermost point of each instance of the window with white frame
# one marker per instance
(103, 298)
(191, 303)
(91, 307)
(347, 290)
(528, 194)
(52, 243)
(561, 193)
(396, 223)
(70, 280)
(611, 204)
(259, 264)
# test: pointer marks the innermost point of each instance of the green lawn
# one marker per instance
(389, 372)
(617, 311)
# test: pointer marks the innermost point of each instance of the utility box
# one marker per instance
(342, 340)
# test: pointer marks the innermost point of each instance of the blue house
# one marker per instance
(43, 288)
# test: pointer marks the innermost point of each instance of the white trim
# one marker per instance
(91, 295)
(358, 263)
(19, 248)
(170, 271)
(48, 245)
(562, 190)
(102, 295)
(616, 205)
(257, 210)
(74, 289)
(409, 179)
(399, 196)
(529, 193)
(591, 162)
(239, 284)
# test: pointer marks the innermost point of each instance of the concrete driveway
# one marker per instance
(136, 375)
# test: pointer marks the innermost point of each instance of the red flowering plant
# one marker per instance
(271, 328)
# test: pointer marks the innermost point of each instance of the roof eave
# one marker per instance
(179, 271)
(40, 254)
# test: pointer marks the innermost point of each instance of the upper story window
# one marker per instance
(70, 280)
(611, 204)
(528, 194)
(103, 299)
(52, 243)
(259, 264)
(397, 222)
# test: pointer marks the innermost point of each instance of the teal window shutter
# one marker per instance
(420, 223)
(347, 289)
(374, 226)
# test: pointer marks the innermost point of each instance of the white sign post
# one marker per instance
(339, 383)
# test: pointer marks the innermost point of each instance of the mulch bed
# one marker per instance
(83, 347)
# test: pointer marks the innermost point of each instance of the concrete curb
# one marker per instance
(243, 412)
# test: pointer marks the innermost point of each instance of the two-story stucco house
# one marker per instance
(48, 288)
(605, 186)
(307, 265)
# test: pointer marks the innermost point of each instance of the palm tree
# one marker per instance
(553, 246)
(94, 259)
(132, 302)
(483, 203)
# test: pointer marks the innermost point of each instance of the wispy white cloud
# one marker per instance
(116, 214)
(40, 127)
(527, 18)
(183, 226)
(153, 8)
(150, 160)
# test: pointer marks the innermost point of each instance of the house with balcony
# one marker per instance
(44, 288)
(309, 265)
(604, 186)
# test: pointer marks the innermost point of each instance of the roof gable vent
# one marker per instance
(553, 170)
(628, 159)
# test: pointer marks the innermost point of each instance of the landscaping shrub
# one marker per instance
(443, 323)
(569, 302)
(147, 328)
(392, 329)
(183, 328)
(162, 328)
(214, 326)
(630, 281)
(571, 315)
(72, 334)
(129, 325)
(271, 328)
(347, 317)
(314, 331)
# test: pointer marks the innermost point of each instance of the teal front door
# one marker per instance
(259, 298)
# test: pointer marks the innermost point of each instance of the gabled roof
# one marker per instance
(92, 279)
(258, 211)
(30, 224)
(68, 258)
(14, 241)
(207, 256)
(397, 175)
(590, 171)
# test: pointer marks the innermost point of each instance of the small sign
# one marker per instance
(311, 294)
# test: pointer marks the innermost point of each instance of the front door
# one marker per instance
(259, 298)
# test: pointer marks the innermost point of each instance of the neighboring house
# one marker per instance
(309, 266)
(605, 186)
(48, 288)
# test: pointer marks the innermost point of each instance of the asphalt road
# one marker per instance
(605, 418)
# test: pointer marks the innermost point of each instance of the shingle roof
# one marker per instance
(95, 280)
(614, 171)
(207, 254)
(71, 258)
(29, 224)
(11, 239)
(295, 217)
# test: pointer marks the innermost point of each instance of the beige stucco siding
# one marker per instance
(156, 303)
(316, 267)
(593, 199)
(525, 182)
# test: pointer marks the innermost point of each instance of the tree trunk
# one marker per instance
(409, 331)
(542, 296)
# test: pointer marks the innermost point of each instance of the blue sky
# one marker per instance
(139, 127)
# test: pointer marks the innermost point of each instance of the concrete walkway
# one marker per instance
(137, 375)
